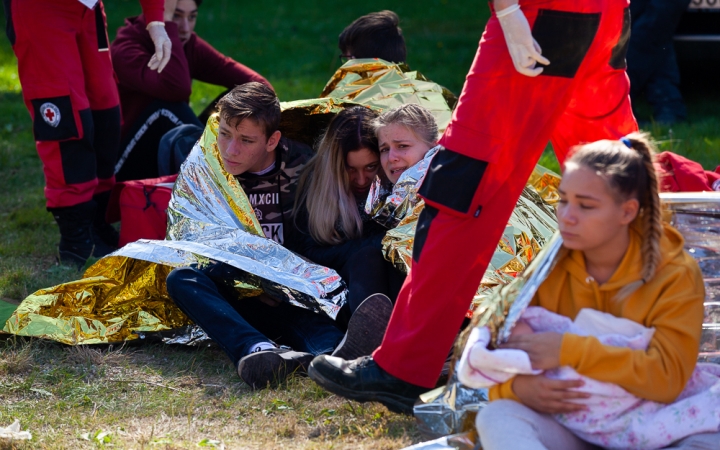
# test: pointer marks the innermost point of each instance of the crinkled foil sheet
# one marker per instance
(460, 441)
(384, 85)
(388, 204)
(305, 120)
(209, 218)
(697, 217)
(448, 410)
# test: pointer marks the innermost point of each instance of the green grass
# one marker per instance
(168, 397)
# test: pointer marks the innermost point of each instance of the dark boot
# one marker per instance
(363, 380)
(76, 243)
(105, 236)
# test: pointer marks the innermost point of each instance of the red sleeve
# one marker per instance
(131, 52)
(210, 66)
(153, 10)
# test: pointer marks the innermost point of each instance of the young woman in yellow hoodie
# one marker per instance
(619, 258)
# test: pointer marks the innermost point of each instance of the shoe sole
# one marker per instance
(394, 403)
(366, 328)
(269, 369)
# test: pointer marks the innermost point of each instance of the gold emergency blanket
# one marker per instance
(384, 85)
(530, 227)
(209, 218)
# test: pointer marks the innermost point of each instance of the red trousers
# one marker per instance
(69, 88)
(499, 129)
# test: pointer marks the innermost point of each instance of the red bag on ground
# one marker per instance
(141, 208)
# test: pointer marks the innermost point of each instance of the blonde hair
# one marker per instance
(416, 118)
(324, 186)
(627, 167)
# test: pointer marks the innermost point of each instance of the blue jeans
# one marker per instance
(237, 324)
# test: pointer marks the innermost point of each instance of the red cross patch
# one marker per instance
(50, 114)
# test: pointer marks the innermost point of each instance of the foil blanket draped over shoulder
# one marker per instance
(209, 218)
(388, 204)
(384, 85)
(695, 215)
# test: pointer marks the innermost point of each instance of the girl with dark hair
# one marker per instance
(618, 258)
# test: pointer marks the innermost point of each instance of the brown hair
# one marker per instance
(324, 186)
(416, 118)
(627, 167)
(374, 35)
(252, 100)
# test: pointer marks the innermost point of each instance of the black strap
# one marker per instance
(100, 28)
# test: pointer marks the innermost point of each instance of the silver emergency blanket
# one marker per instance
(388, 204)
(460, 441)
(209, 217)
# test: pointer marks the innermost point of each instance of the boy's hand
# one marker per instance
(548, 396)
(542, 348)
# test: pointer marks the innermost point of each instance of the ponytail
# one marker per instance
(651, 213)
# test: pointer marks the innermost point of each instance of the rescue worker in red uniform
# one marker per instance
(563, 82)
(68, 87)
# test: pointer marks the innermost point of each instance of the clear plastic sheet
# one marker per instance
(697, 217)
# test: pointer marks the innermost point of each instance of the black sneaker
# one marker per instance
(271, 367)
(366, 328)
(363, 380)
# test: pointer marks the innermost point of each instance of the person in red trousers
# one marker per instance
(550, 70)
(69, 89)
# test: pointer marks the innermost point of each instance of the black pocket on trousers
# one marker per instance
(565, 38)
(421, 230)
(452, 180)
(54, 119)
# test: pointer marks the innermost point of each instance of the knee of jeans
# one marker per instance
(177, 278)
(494, 414)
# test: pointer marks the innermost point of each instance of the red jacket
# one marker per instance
(139, 86)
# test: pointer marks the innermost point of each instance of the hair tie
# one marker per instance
(627, 142)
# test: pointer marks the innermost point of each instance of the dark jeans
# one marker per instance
(238, 324)
(367, 272)
(651, 62)
(139, 148)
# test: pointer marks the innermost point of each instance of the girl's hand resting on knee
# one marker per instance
(548, 396)
(543, 348)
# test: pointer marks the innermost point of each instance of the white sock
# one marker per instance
(262, 346)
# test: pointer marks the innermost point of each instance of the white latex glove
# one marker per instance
(163, 46)
(524, 50)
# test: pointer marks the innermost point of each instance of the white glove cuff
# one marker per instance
(509, 10)
(155, 23)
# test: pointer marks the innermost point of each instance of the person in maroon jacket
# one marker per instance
(153, 103)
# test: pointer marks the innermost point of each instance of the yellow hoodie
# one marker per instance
(672, 303)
